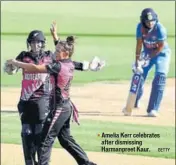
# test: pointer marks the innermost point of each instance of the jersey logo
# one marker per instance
(135, 83)
(35, 34)
(149, 16)
(153, 37)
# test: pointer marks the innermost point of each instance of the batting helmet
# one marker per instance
(36, 35)
(148, 14)
(38, 38)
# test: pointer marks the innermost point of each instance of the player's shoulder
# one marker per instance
(160, 26)
(21, 55)
(139, 25)
(66, 61)
(48, 53)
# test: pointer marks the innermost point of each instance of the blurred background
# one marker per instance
(104, 29)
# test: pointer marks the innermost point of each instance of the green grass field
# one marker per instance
(104, 29)
(89, 129)
(82, 17)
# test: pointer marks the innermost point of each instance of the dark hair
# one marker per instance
(70, 39)
(68, 45)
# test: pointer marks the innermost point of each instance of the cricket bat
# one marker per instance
(135, 83)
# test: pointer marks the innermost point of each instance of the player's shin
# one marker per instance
(28, 143)
(157, 91)
(139, 93)
(37, 137)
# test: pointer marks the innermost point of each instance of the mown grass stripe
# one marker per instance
(80, 34)
(10, 133)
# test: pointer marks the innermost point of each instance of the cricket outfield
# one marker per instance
(107, 31)
(95, 106)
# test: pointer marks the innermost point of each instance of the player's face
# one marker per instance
(150, 24)
(36, 46)
(61, 54)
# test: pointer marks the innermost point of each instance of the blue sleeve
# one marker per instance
(139, 31)
(162, 34)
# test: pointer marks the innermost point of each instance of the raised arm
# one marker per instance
(53, 30)
(93, 65)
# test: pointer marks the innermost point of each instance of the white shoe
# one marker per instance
(153, 113)
(126, 113)
(138, 105)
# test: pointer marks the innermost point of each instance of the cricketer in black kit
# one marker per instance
(58, 121)
(37, 94)
(37, 88)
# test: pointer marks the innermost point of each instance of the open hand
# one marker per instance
(53, 28)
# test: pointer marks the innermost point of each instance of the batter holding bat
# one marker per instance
(151, 35)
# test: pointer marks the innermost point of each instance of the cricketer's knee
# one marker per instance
(141, 86)
(37, 137)
(28, 143)
(37, 133)
(156, 95)
(31, 139)
(140, 93)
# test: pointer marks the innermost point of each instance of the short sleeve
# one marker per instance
(56, 42)
(20, 56)
(139, 31)
(78, 65)
(162, 33)
(53, 68)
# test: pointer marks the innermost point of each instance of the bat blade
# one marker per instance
(135, 83)
(130, 104)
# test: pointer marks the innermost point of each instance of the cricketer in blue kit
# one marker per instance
(151, 35)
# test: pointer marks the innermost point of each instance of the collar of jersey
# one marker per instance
(65, 60)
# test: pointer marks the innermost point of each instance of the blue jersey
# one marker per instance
(151, 37)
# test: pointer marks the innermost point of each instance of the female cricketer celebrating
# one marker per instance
(57, 124)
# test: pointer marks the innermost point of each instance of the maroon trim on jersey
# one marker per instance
(35, 85)
(75, 113)
(63, 80)
(56, 116)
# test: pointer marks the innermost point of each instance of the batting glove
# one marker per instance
(137, 68)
